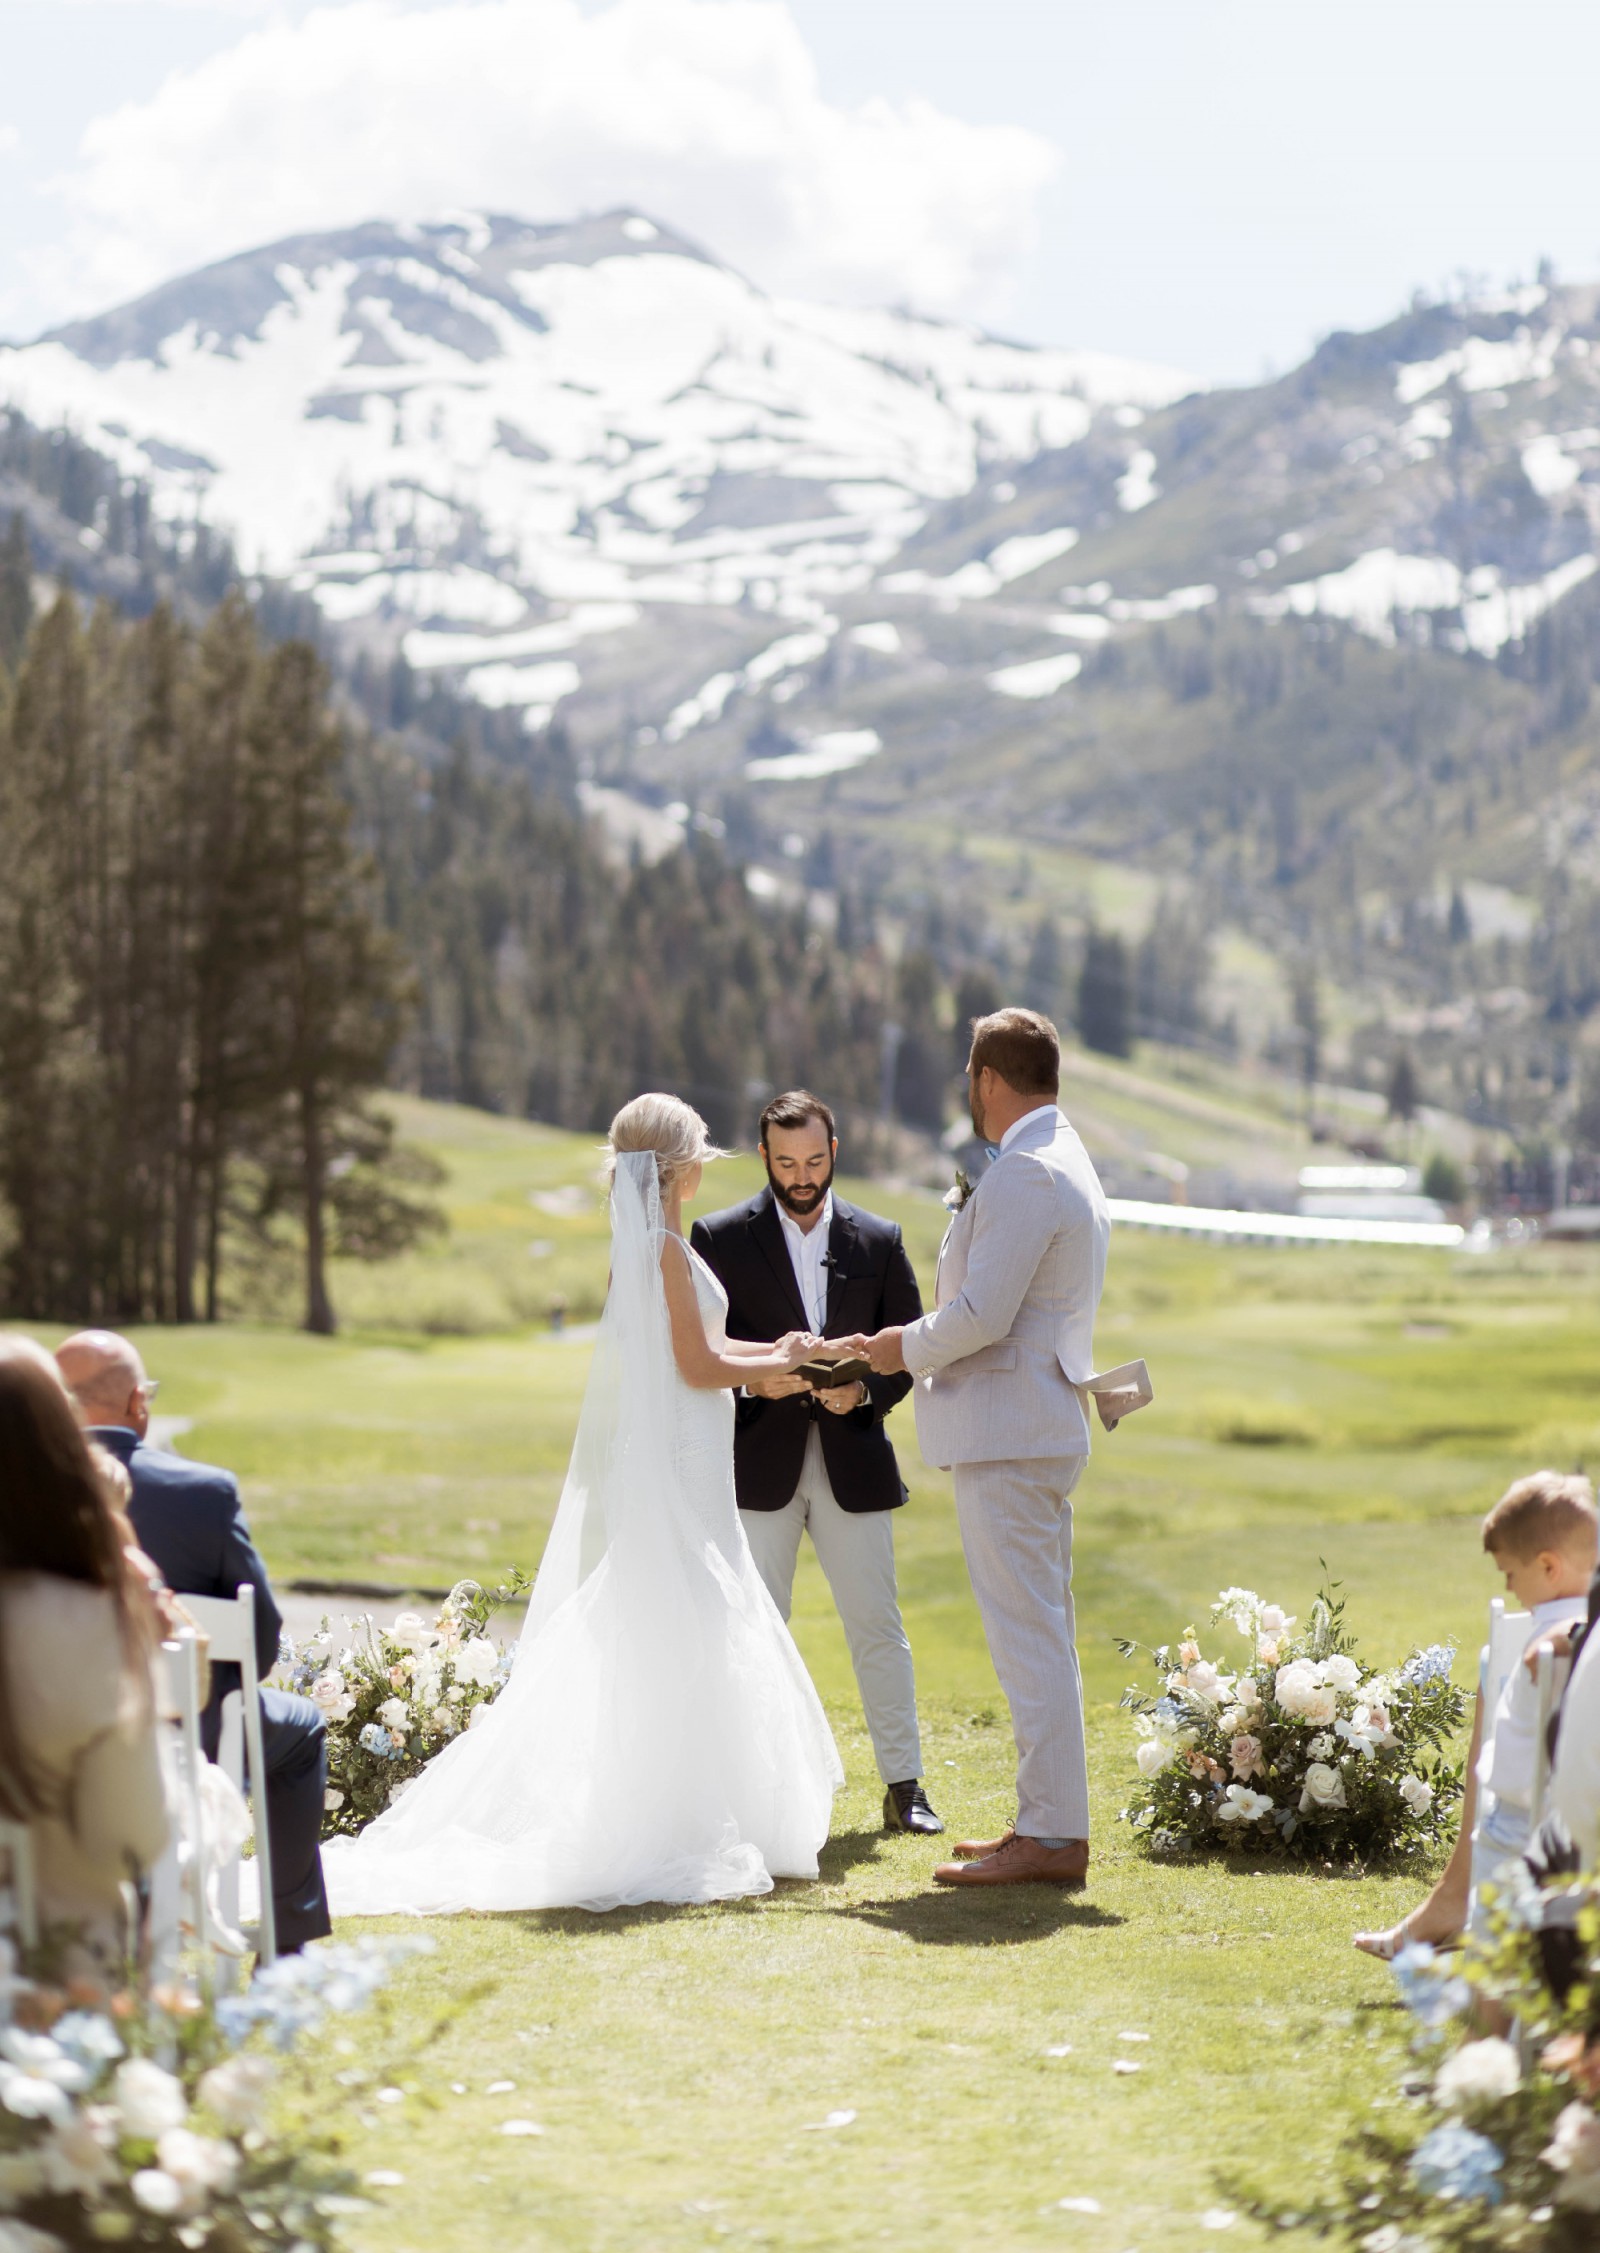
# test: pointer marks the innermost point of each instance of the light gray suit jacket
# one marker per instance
(1012, 1335)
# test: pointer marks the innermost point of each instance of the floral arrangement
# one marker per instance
(1494, 2139)
(143, 2121)
(1300, 1750)
(394, 1696)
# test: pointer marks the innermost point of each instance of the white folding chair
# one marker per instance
(232, 1629)
(1550, 1677)
(180, 1872)
(1497, 1662)
(16, 1844)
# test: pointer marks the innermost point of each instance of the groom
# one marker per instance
(821, 1461)
(999, 1367)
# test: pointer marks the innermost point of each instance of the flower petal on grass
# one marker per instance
(391, 2096)
(1059, 2049)
(384, 2178)
(1133, 2037)
(500, 2088)
(1218, 2218)
(520, 2128)
(834, 2120)
(1125, 2065)
(1080, 2206)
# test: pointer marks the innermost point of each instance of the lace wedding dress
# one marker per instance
(659, 1738)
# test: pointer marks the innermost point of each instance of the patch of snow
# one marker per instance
(629, 828)
(1029, 551)
(1156, 610)
(1481, 364)
(783, 655)
(1079, 625)
(833, 753)
(879, 634)
(1380, 585)
(1137, 487)
(542, 685)
(1549, 467)
(1041, 676)
(695, 711)
(640, 230)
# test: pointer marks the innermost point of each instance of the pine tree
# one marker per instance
(16, 592)
(1104, 1011)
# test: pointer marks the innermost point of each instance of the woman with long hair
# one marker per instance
(78, 1753)
(659, 1738)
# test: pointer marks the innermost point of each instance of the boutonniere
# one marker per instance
(956, 1196)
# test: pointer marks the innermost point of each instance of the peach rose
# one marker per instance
(1245, 1756)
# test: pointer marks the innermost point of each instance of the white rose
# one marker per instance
(477, 1661)
(1152, 1755)
(204, 2165)
(1321, 1747)
(1322, 1705)
(1275, 1620)
(1203, 1679)
(454, 1694)
(394, 1713)
(1294, 1684)
(149, 2098)
(1341, 1670)
(328, 1690)
(236, 2090)
(443, 1720)
(332, 1800)
(412, 1632)
(1479, 2073)
(1323, 1789)
(75, 2164)
(157, 2191)
(1417, 1793)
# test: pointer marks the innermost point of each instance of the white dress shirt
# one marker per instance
(808, 1254)
(1020, 1126)
(1575, 1784)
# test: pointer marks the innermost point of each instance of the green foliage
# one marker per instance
(1444, 1179)
(1104, 1001)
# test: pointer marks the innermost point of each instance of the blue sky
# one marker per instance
(1210, 183)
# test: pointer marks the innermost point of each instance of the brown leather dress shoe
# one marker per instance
(1022, 1861)
(974, 1849)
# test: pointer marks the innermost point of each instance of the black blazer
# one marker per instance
(870, 1286)
(189, 1522)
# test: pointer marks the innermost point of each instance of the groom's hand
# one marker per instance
(882, 1352)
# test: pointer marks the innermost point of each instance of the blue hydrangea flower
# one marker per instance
(1456, 2162)
(1432, 1665)
(88, 2037)
(374, 1738)
(1428, 1991)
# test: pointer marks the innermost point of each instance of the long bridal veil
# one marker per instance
(659, 1738)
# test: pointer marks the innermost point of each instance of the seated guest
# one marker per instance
(78, 1752)
(188, 1520)
(1543, 1534)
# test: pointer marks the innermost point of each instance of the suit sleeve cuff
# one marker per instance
(913, 1348)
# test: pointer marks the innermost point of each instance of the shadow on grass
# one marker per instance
(838, 1858)
(953, 1919)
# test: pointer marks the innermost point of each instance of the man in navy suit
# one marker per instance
(188, 1519)
(798, 1257)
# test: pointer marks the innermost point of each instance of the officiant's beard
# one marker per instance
(804, 1198)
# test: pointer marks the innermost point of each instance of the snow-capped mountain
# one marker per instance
(499, 440)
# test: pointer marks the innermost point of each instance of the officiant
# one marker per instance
(821, 1461)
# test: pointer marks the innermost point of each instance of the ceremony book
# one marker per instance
(828, 1375)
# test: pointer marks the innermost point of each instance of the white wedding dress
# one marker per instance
(659, 1738)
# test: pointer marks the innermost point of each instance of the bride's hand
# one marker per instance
(796, 1346)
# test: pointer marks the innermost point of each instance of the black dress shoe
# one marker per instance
(905, 1808)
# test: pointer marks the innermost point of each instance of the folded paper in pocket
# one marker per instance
(1119, 1392)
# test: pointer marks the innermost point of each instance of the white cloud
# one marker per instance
(706, 112)
(10, 140)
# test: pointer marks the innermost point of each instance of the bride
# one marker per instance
(659, 1738)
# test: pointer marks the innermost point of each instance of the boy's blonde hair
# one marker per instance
(1551, 1510)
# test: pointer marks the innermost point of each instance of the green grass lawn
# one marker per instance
(1352, 1406)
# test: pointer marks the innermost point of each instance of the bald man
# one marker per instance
(188, 1518)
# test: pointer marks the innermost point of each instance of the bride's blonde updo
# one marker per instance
(669, 1127)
